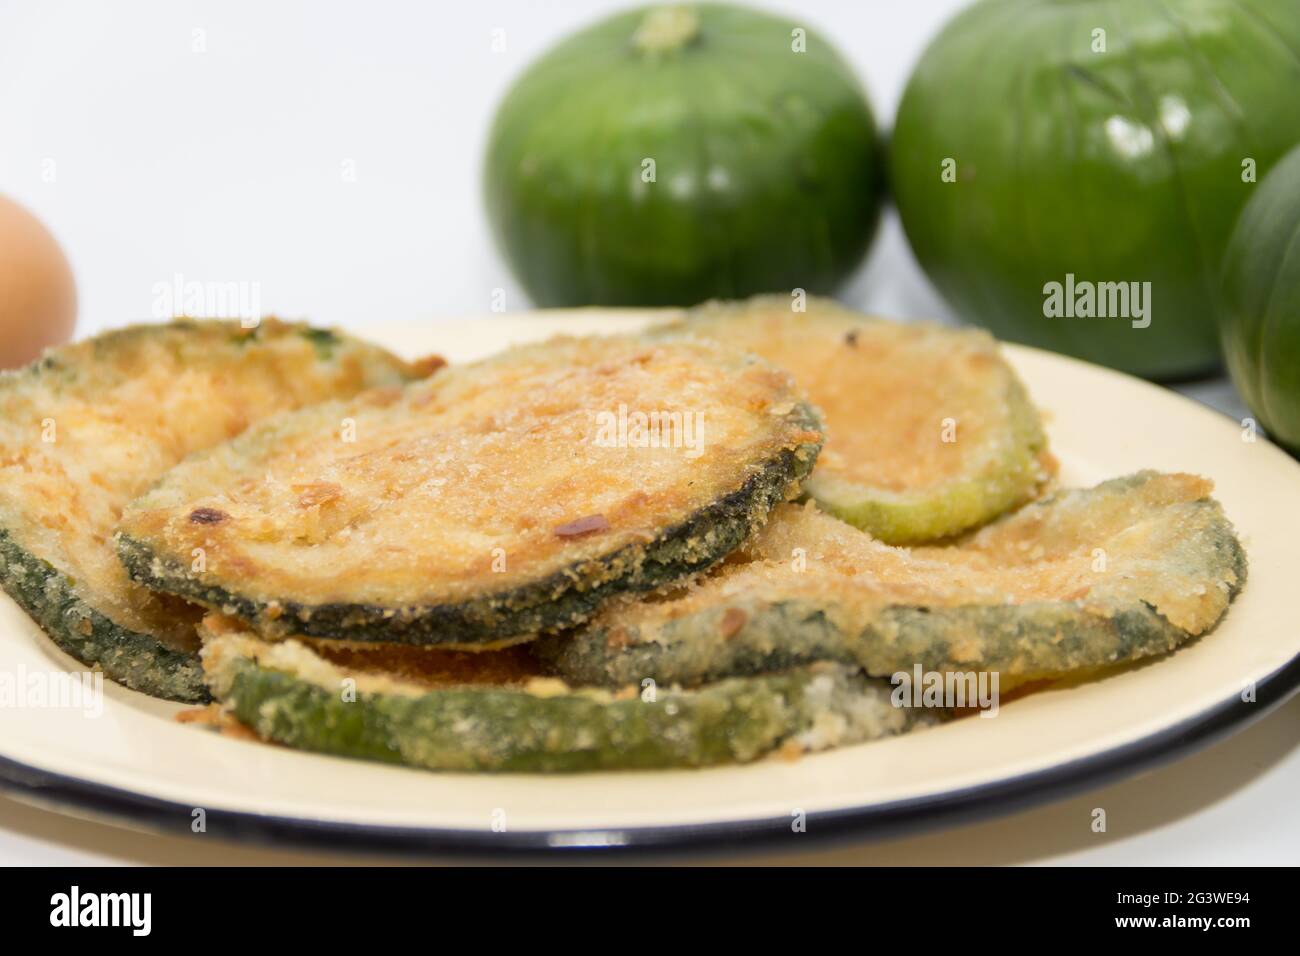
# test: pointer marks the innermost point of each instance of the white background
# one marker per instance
(210, 140)
(227, 165)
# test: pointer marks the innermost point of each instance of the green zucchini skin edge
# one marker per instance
(918, 515)
(138, 661)
(1015, 642)
(562, 599)
(1028, 641)
(923, 516)
(511, 730)
(135, 659)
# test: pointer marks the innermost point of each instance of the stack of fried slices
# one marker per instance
(723, 538)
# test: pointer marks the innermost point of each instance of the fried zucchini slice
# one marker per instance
(292, 694)
(1089, 578)
(90, 426)
(929, 431)
(495, 500)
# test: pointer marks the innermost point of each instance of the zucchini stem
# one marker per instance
(666, 30)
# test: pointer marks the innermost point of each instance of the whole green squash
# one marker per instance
(673, 154)
(1044, 147)
(1260, 318)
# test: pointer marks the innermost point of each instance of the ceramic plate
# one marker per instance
(132, 761)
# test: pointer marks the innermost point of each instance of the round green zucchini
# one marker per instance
(90, 426)
(668, 155)
(289, 694)
(1260, 319)
(1088, 579)
(929, 431)
(1054, 161)
(495, 500)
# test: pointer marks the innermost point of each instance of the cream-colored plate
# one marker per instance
(134, 761)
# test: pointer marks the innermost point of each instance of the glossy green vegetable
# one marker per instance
(669, 155)
(1111, 141)
(1261, 303)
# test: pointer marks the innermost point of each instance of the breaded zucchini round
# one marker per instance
(1090, 578)
(295, 695)
(90, 426)
(929, 431)
(495, 500)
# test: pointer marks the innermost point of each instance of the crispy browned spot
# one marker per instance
(733, 619)
(582, 526)
(219, 720)
(427, 365)
(207, 516)
(381, 397)
(317, 493)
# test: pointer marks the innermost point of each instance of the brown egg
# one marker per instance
(38, 296)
